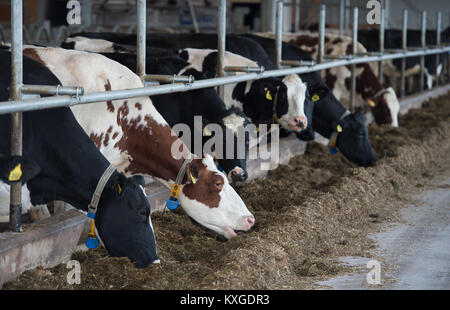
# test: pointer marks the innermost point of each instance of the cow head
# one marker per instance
(123, 221)
(290, 101)
(210, 200)
(236, 167)
(385, 107)
(353, 140)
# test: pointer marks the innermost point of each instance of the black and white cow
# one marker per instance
(368, 87)
(393, 40)
(136, 139)
(60, 162)
(290, 91)
(353, 141)
(181, 108)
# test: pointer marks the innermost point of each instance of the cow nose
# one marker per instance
(301, 122)
(238, 175)
(250, 221)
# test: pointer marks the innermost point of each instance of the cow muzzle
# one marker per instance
(299, 123)
(237, 175)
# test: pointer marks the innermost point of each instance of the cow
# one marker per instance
(60, 162)
(393, 40)
(137, 140)
(179, 108)
(338, 79)
(327, 110)
(291, 92)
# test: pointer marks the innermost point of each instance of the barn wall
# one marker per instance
(309, 12)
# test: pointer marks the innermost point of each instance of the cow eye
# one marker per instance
(143, 212)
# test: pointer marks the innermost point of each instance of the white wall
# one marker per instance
(414, 8)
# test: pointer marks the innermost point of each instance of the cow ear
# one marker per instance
(318, 93)
(138, 179)
(192, 172)
(16, 168)
(119, 184)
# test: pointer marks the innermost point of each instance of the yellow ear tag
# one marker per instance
(15, 174)
(257, 129)
(194, 180)
(372, 103)
(91, 233)
(119, 189)
(174, 191)
(268, 95)
(315, 98)
(339, 128)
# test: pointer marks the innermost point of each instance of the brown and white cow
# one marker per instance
(383, 102)
(135, 138)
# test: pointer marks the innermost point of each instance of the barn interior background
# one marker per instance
(45, 20)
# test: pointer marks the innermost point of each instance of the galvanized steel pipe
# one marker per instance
(15, 214)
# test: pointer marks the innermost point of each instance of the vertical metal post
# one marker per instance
(355, 51)
(381, 40)
(347, 15)
(15, 214)
(297, 15)
(141, 38)
(221, 42)
(194, 17)
(341, 16)
(423, 45)
(438, 43)
(404, 47)
(279, 34)
(322, 20)
(273, 17)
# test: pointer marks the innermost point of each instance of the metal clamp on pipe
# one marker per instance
(170, 79)
(246, 69)
(52, 90)
(298, 63)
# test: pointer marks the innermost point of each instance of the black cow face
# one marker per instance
(236, 140)
(236, 168)
(123, 221)
(354, 142)
(258, 103)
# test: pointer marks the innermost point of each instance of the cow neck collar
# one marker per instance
(92, 240)
(332, 144)
(99, 189)
(172, 203)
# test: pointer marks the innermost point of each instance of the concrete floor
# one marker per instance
(414, 254)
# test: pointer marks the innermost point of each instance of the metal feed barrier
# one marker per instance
(67, 96)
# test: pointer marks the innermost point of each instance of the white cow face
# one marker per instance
(216, 205)
(394, 105)
(290, 103)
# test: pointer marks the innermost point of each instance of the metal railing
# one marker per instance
(66, 97)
